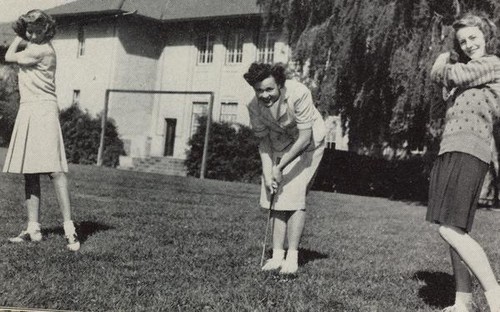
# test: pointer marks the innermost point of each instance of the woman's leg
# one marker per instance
(32, 191)
(61, 188)
(473, 255)
(295, 226)
(278, 221)
(463, 281)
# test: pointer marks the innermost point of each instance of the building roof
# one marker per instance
(161, 10)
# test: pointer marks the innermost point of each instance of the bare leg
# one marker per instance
(278, 221)
(33, 193)
(61, 188)
(463, 278)
(463, 282)
(32, 190)
(295, 227)
(472, 254)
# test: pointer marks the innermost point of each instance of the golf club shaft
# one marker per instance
(271, 203)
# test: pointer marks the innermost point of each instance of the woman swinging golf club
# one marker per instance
(291, 129)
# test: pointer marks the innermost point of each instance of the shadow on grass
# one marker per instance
(84, 229)
(439, 288)
(306, 255)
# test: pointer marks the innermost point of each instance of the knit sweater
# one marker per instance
(473, 107)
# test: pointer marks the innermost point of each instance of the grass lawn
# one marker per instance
(162, 243)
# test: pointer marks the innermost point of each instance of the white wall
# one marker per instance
(132, 54)
(90, 73)
(119, 54)
(179, 71)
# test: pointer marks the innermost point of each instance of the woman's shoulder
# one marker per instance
(295, 85)
(45, 49)
(487, 59)
(295, 88)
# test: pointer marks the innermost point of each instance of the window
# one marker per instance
(76, 96)
(205, 45)
(265, 48)
(234, 48)
(229, 112)
(199, 109)
(81, 41)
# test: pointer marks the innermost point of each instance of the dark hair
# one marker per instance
(487, 27)
(35, 18)
(260, 71)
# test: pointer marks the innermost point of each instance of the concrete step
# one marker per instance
(161, 165)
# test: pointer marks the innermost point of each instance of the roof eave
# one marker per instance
(206, 18)
(81, 14)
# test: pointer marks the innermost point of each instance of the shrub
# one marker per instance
(348, 172)
(232, 153)
(81, 133)
(9, 102)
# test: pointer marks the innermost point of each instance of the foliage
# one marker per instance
(9, 102)
(232, 152)
(348, 172)
(371, 60)
(81, 133)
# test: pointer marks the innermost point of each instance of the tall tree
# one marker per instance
(371, 59)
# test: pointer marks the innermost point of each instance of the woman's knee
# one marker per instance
(450, 233)
(57, 175)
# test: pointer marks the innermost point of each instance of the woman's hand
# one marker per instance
(442, 59)
(277, 175)
(271, 185)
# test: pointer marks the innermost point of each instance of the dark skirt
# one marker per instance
(456, 181)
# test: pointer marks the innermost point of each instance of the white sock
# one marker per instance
(33, 227)
(278, 254)
(463, 299)
(292, 255)
(493, 298)
(69, 227)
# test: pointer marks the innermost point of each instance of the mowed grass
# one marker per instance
(162, 243)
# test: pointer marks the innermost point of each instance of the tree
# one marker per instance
(371, 60)
(232, 152)
(9, 102)
(81, 135)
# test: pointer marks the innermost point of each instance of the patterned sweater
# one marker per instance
(473, 107)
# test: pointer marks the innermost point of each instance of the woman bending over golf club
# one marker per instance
(291, 132)
(36, 146)
(470, 77)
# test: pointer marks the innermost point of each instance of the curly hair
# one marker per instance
(485, 25)
(35, 18)
(260, 71)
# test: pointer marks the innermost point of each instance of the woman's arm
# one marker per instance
(302, 142)
(29, 56)
(10, 55)
(474, 73)
(266, 155)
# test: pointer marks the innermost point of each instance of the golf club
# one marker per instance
(271, 203)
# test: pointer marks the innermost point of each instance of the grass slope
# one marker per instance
(161, 243)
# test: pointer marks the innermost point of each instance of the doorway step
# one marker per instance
(161, 165)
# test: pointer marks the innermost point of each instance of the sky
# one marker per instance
(11, 9)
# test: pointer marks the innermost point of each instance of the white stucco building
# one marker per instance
(177, 45)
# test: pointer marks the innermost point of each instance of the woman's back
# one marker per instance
(37, 79)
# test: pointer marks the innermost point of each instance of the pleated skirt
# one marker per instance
(455, 184)
(297, 180)
(36, 145)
